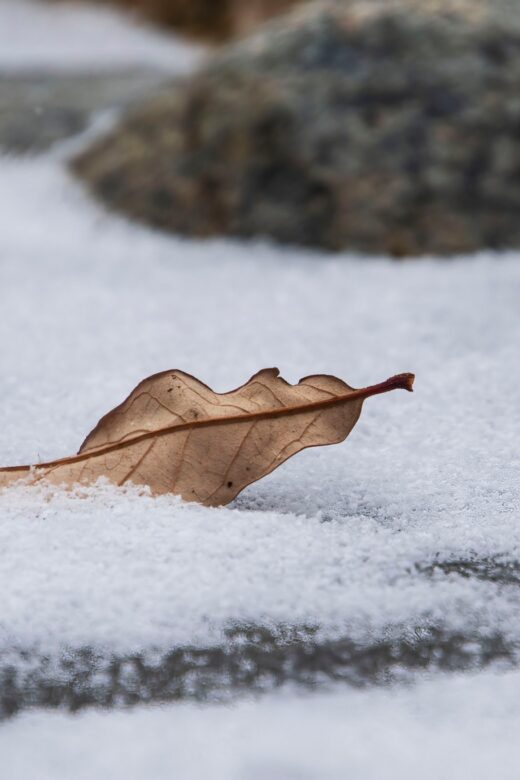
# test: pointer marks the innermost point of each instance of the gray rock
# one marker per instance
(38, 110)
(378, 125)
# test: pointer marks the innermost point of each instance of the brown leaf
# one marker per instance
(176, 435)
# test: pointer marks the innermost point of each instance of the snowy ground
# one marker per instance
(407, 534)
(464, 728)
(78, 36)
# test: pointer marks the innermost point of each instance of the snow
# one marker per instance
(77, 36)
(457, 727)
(338, 537)
(91, 304)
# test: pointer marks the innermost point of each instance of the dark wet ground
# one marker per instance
(499, 572)
(255, 658)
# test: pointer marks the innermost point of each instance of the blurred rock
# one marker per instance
(381, 126)
(38, 110)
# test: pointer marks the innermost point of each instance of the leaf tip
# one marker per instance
(403, 381)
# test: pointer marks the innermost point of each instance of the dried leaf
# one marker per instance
(176, 435)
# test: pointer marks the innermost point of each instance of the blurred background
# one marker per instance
(385, 127)
(220, 186)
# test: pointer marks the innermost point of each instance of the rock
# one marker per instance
(38, 110)
(378, 125)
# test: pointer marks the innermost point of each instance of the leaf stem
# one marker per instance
(397, 382)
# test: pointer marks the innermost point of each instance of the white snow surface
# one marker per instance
(79, 36)
(461, 727)
(91, 304)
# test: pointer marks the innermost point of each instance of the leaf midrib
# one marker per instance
(400, 381)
